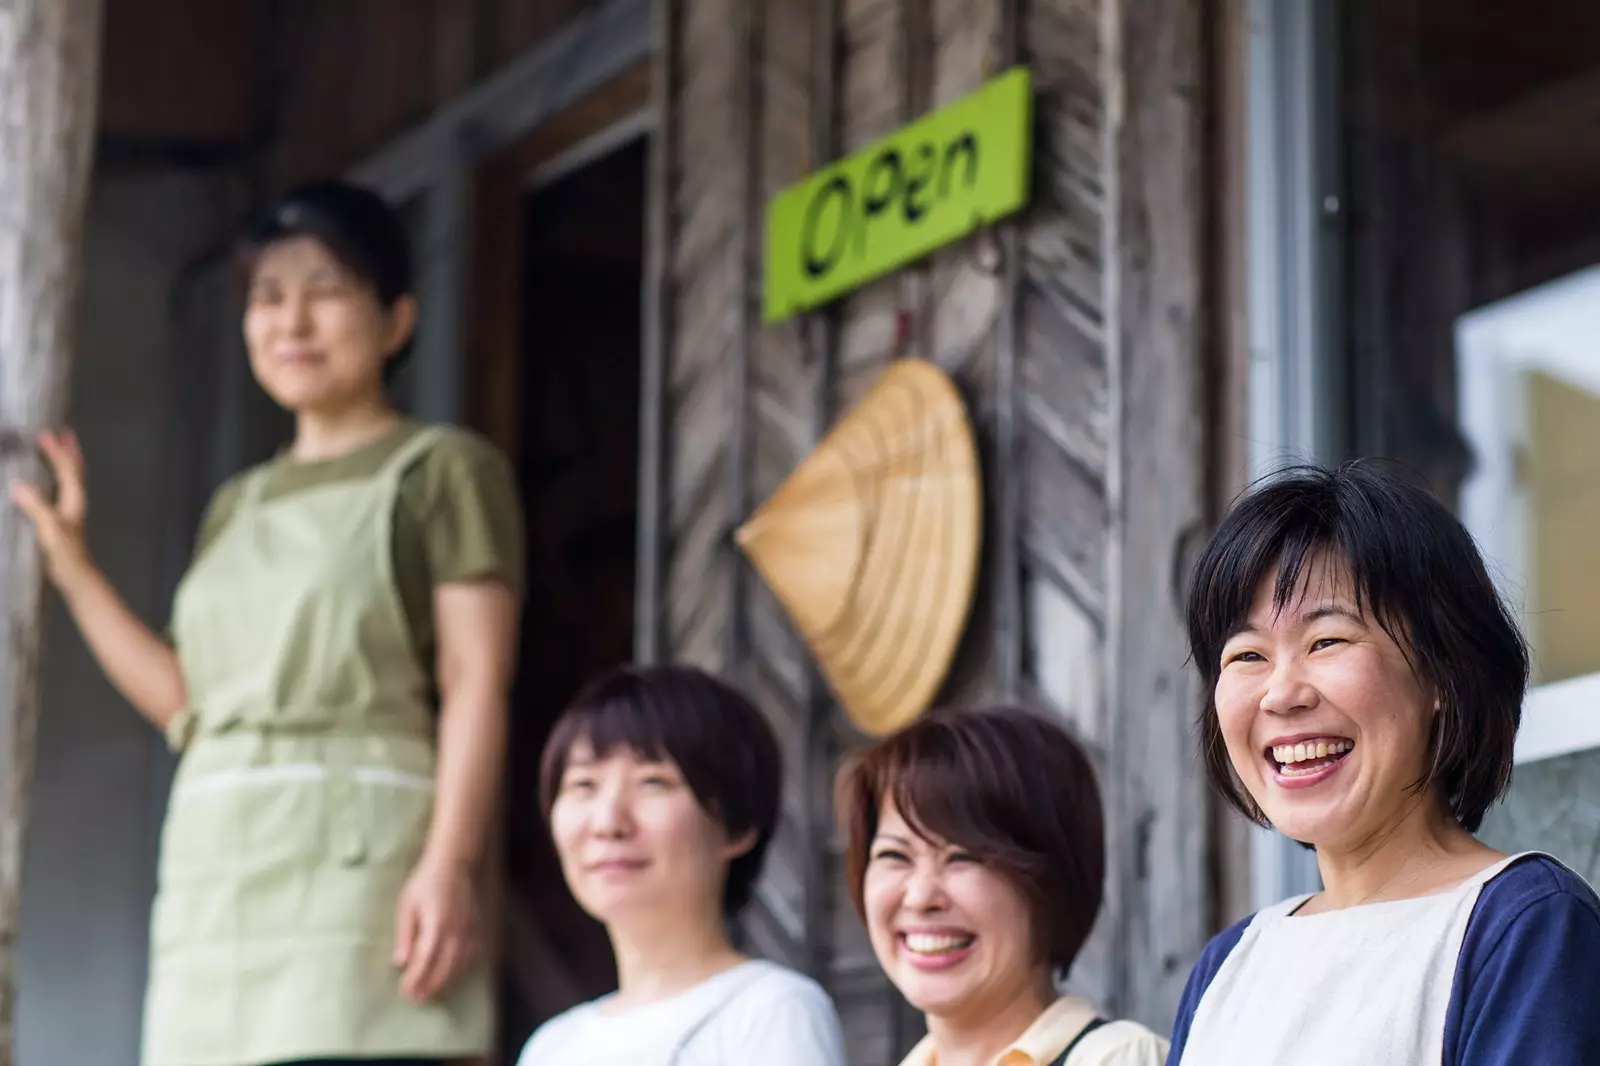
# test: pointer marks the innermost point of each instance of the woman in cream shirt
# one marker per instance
(975, 854)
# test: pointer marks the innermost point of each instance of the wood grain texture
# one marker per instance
(49, 80)
(1092, 329)
(1159, 502)
(708, 282)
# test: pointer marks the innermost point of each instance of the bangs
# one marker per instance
(621, 718)
(1006, 786)
(951, 791)
(1340, 540)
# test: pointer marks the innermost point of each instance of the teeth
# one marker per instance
(927, 944)
(1289, 754)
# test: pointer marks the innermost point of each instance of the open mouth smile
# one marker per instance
(1303, 762)
(936, 951)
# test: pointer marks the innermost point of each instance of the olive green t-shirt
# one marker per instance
(457, 518)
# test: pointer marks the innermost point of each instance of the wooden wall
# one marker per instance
(1078, 337)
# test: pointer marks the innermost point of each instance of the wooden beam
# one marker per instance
(822, 349)
(595, 48)
(1156, 486)
(49, 85)
(650, 565)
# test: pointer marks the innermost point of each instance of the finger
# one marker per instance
(31, 502)
(66, 460)
(424, 956)
(405, 930)
(447, 963)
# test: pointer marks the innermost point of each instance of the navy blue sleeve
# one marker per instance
(1205, 968)
(1527, 983)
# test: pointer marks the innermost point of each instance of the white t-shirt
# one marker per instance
(756, 1012)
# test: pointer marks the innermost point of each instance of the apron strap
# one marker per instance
(421, 441)
(255, 483)
(1094, 1023)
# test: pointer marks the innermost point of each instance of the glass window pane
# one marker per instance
(1472, 230)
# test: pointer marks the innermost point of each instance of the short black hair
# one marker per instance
(357, 227)
(1415, 570)
(1002, 782)
(720, 742)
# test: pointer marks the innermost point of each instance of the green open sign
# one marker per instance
(930, 183)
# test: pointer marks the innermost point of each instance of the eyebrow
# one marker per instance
(891, 838)
(1317, 613)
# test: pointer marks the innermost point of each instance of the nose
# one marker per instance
(297, 313)
(924, 890)
(609, 814)
(1288, 691)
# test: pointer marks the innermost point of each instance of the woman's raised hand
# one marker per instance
(59, 525)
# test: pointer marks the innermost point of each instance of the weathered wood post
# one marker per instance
(49, 62)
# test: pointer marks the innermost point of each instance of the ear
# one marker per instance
(741, 844)
(402, 323)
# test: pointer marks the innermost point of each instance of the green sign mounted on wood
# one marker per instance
(932, 182)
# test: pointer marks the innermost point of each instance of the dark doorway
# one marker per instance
(580, 329)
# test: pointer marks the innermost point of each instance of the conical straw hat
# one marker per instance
(872, 544)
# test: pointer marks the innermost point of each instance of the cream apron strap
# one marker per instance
(255, 483)
(396, 465)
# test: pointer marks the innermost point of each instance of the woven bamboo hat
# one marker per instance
(872, 544)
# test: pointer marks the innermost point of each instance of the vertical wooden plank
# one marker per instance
(658, 326)
(705, 269)
(822, 333)
(1007, 569)
(914, 334)
(1228, 413)
(1156, 488)
(746, 136)
(49, 77)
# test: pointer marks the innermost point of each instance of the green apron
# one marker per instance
(303, 797)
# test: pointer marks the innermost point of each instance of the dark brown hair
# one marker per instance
(716, 737)
(1413, 568)
(1007, 786)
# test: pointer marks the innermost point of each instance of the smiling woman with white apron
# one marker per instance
(336, 686)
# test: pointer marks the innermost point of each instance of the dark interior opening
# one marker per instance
(580, 327)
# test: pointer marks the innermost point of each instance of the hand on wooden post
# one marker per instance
(436, 928)
(59, 525)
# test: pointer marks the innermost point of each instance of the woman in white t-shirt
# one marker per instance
(661, 788)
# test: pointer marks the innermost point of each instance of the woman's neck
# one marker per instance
(329, 434)
(1422, 852)
(659, 958)
(977, 1037)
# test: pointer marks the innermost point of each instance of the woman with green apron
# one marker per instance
(336, 682)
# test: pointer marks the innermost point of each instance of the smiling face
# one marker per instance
(952, 934)
(634, 841)
(1325, 722)
(318, 336)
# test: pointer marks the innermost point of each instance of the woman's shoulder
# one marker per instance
(774, 1006)
(1533, 877)
(554, 1039)
(1522, 988)
(1528, 896)
(765, 986)
(459, 467)
(459, 446)
(1125, 1043)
